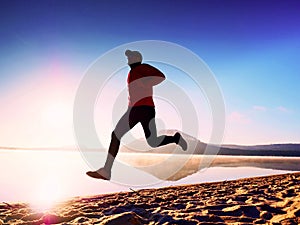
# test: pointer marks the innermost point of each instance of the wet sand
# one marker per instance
(261, 200)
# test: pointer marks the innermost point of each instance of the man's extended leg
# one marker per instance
(122, 127)
(112, 151)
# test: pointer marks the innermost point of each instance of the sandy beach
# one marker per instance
(261, 200)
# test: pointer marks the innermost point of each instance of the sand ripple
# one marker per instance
(263, 200)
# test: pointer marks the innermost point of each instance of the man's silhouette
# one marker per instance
(141, 79)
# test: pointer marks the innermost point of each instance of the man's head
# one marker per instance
(133, 57)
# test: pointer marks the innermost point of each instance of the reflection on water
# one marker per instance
(176, 167)
(46, 176)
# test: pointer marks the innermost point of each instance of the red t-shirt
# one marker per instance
(141, 80)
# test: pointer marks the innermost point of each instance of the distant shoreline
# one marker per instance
(173, 167)
(164, 150)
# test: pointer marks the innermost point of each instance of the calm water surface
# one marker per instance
(47, 176)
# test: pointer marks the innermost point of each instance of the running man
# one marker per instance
(141, 109)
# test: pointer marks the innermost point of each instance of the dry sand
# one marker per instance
(262, 200)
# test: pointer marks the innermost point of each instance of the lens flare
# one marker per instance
(49, 192)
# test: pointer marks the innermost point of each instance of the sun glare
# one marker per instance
(47, 194)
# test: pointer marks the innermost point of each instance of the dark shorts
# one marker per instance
(134, 115)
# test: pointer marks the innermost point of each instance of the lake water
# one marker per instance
(46, 176)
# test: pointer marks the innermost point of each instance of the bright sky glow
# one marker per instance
(252, 47)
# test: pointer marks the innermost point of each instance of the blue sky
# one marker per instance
(253, 48)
